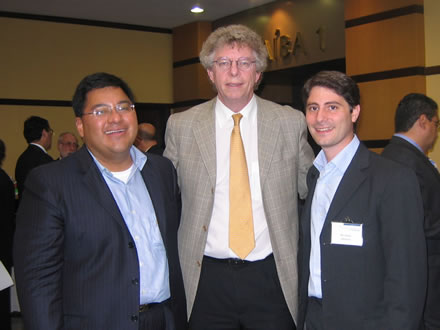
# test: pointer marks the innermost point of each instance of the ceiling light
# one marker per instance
(197, 10)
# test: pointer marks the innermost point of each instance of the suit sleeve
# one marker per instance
(402, 236)
(38, 255)
(170, 142)
(306, 157)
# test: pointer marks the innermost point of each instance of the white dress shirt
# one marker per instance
(217, 244)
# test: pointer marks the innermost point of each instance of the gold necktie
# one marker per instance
(241, 226)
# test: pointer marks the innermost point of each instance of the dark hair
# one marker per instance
(2, 152)
(96, 81)
(337, 81)
(410, 108)
(33, 128)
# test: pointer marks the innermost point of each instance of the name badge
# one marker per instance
(347, 234)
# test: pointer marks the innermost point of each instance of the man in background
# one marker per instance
(96, 239)
(362, 247)
(7, 224)
(67, 144)
(38, 134)
(241, 163)
(416, 126)
(146, 140)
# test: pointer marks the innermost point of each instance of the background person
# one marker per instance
(416, 125)
(67, 144)
(38, 134)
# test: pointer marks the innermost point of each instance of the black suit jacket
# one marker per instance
(429, 181)
(381, 284)
(7, 217)
(76, 263)
(155, 150)
(32, 157)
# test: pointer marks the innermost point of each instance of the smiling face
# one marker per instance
(330, 120)
(235, 87)
(108, 138)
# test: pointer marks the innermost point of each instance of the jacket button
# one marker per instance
(130, 245)
(134, 318)
(204, 228)
(198, 263)
(135, 281)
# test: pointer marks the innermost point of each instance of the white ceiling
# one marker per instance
(154, 13)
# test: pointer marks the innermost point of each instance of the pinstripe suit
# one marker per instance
(284, 159)
(76, 264)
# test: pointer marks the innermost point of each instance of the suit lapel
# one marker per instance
(352, 179)
(93, 180)
(204, 134)
(268, 132)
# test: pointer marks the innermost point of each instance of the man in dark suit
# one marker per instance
(362, 248)
(146, 140)
(38, 134)
(96, 239)
(7, 217)
(416, 126)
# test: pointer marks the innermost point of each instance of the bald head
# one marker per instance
(146, 137)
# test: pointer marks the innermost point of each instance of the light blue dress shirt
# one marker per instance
(330, 175)
(137, 209)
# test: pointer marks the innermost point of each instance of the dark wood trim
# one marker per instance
(37, 103)
(61, 103)
(432, 70)
(189, 61)
(79, 21)
(375, 143)
(413, 9)
(390, 74)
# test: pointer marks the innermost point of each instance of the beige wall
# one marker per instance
(432, 50)
(46, 60)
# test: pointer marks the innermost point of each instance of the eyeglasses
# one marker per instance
(243, 64)
(104, 110)
(70, 144)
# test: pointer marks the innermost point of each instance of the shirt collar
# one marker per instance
(409, 140)
(224, 114)
(138, 157)
(341, 160)
(39, 146)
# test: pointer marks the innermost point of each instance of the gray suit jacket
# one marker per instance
(284, 158)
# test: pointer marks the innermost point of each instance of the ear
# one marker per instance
(355, 112)
(79, 126)
(422, 121)
(211, 75)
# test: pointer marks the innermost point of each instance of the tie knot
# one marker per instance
(237, 118)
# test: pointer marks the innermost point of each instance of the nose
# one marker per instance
(320, 115)
(234, 68)
(114, 116)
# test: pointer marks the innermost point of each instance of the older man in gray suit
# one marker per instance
(238, 234)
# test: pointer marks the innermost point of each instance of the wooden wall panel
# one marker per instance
(359, 8)
(385, 45)
(188, 40)
(379, 100)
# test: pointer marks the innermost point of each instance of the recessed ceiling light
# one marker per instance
(197, 10)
